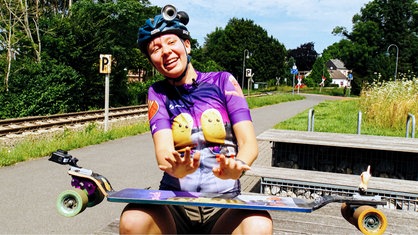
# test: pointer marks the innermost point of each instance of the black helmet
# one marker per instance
(169, 21)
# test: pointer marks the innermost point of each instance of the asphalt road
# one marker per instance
(29, 190)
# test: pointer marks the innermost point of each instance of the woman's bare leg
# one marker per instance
(235, 221)
(146, 219)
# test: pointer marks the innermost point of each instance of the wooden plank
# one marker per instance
(341, 140)
(328, 220)
(377, 183)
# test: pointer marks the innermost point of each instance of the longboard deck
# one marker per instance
(244, 201)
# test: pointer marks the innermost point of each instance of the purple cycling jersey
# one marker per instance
(201, 116)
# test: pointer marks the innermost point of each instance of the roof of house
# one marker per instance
(336, 74)
(336, 64)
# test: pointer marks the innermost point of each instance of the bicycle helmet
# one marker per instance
(169, 21)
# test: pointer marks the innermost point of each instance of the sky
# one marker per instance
(291, 22)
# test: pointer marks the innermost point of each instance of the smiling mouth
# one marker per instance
(170, 63)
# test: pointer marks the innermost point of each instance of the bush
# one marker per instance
(41, 89)
(138, 91)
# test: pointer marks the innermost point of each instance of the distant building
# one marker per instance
(338, 72)
(136, 76)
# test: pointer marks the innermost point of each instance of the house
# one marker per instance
(338, 72)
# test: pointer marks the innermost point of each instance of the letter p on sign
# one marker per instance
(105, 63)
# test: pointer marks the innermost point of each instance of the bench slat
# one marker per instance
(341, 140)
(378, 183)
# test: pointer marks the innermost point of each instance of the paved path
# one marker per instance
(29, 190)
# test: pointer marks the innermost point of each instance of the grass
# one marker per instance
(260, 101)
(384, 106)
(329, 116)
(39, 146)
(338, 117)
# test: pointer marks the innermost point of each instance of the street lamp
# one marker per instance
(246, 55)
(397, 56)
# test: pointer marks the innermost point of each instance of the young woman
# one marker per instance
(203, 139)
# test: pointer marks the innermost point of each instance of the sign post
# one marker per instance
(322, 84)
(299, 82)
(105, 68)
(249, 74)
(350, 78)
(294, 71)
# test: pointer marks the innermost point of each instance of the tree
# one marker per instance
(67, 77)
(27, 15)
(42, 88)
(7, 41)
(318, 72)
(305, 56)
(20, 32)
(99, 28)
(226, 47)
(379, 24)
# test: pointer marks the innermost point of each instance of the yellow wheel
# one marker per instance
(347, 213)
(370, 220)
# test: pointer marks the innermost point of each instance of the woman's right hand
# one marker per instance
(179, 166)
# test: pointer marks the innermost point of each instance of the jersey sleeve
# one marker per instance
(157, 113)
(236, 104)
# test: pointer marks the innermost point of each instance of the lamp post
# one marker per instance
(397, 56)
(246, 55)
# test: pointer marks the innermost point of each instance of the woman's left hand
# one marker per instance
(229, 168)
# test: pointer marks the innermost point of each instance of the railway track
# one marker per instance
(31, 124)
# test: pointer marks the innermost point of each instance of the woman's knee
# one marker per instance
(136, 219)
(260, 224)
(244, 222)
(132, 219)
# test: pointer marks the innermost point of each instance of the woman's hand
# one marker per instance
(229, 168)
(179, 166)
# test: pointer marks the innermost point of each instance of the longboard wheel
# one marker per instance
(95, 198)
(370, 220)
(347, 213)
(72, 202)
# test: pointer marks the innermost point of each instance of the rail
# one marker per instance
(410, 123)
(21, 125)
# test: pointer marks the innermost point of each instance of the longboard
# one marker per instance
(242, 201)
(91, 188)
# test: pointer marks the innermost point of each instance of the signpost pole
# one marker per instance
(294, 71)
(106, 114)
(105, 67)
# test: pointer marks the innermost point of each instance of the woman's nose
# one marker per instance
(166, 49)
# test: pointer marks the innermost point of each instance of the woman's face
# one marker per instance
(168, 54)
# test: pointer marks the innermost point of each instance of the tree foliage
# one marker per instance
(379, 24)
(227, 47)
(73, 40)
(45, 87)
(319, 71)
(305, 56)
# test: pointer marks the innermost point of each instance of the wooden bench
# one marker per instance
(399, 144)
(334, 179)
(393, 157)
